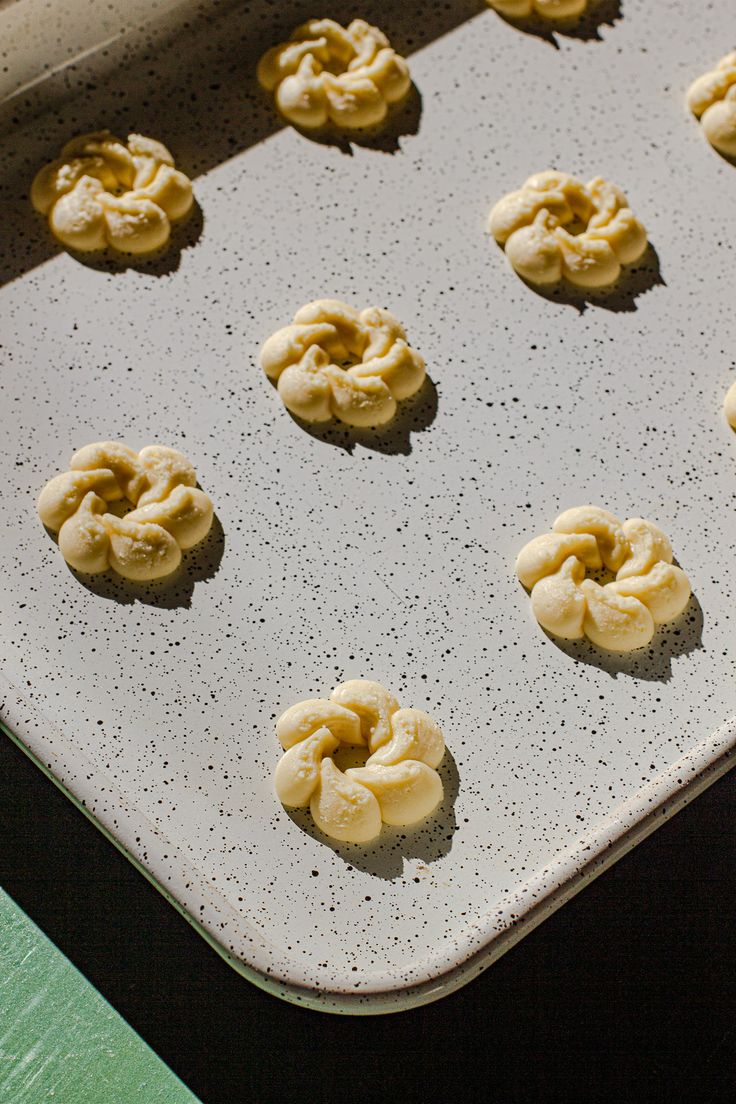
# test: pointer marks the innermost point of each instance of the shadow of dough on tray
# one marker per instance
(398, 784)
(652, 663)
(581, 19)
(422, 843)
(173, 591)
(556, 227)
(645, 588)
(335, 362)
(328, 74)
(620, 297)
(103, 193)
(394, 439)
(169, 513)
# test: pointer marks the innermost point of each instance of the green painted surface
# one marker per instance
(59, 1039)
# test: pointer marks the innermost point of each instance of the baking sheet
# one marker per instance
(339, 555)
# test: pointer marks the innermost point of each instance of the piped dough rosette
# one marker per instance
(103, 192)
(648, 589)
(399, 783)
(560, 11)
(347, 76)
(712, 99)
(170, 515)
(729, 405)
(535, 225)
(307, 361)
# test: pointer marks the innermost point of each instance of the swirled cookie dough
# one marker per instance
(535, 226)
(399, 783)
(712, 98)
(347, 76)
(729, 405)
(170, 513)
(648, 589)
(308, 358)
(103, 192)
(555, 10)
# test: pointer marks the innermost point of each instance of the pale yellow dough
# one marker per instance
(729, 405)
(554, 10)
(103, 192)
(171, 514)
(712, 98)
(307, 360)
(399, 783)
(534, 225)
(348, 76)
(648, 589)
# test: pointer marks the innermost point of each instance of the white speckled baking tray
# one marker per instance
(388, 556)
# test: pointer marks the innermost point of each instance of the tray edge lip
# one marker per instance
(502, 925)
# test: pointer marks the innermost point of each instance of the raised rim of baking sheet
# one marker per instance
(503, 924)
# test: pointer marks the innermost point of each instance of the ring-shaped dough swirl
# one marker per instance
(399, 783)
(348, 76)
(559, 11)
(534, 225)
(712, 99)
(307, 360)
(102, 192)
(170, 515)
(648, 589)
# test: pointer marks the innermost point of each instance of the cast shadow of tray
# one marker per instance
(199, 94)
(384, 859)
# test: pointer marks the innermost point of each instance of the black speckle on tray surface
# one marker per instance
(383, 556)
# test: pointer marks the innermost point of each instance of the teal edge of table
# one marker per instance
(59, 1039)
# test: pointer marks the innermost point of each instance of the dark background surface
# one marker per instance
(627, 993)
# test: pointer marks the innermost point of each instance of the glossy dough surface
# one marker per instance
(534, 225)
(103, 192)
(648, 589)
(712, 98)
(171, 514)
(347, 76)
(399, 783)
(560, 10)
(729, 405)
(307, 361)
